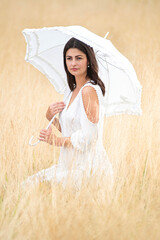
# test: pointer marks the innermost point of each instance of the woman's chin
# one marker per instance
(75, 74)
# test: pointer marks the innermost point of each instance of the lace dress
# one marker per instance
(87, 154)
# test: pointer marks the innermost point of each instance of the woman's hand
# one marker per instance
(46, 135)
(49, 137)
(54, 108)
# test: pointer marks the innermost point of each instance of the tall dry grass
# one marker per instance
(132, 210)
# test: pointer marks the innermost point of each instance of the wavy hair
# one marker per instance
(92, 70)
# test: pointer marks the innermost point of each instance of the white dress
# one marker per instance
(87, 154)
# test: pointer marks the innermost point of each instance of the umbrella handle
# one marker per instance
(106, 35)
(49, 124)
(33, 144)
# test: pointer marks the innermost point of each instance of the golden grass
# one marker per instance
(132, 210)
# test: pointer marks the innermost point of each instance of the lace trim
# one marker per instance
(33, 60)
(125, 107)
(68, 31)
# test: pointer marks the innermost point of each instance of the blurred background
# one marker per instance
(132, 142)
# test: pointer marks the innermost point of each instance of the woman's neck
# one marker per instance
(80, 81)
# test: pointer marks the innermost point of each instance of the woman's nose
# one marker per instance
(73, 62)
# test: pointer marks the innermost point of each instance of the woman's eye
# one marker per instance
(77, 58)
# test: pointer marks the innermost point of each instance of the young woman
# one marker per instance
(80, 121)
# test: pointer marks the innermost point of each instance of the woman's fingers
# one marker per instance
(44, 134)
(42, 139)
(57, 107)
(57, 104)
(54, 108)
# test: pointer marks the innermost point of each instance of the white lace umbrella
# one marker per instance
(45, 52)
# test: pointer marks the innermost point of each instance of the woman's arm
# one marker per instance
(90, 103)
(53, 109)
(57, 124)
(50, 138)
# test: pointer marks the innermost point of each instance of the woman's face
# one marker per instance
(76, 62)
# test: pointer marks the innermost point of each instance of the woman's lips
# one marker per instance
(74, 69)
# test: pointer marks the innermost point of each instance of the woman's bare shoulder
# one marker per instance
(91, 103)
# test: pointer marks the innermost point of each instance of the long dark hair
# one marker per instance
(92, 70)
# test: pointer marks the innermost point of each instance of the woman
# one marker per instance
(80, 120)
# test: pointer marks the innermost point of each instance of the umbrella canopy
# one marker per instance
(45, 52)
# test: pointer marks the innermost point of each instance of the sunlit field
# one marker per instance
(132, 209)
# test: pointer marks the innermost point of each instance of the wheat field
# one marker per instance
(132, 209)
